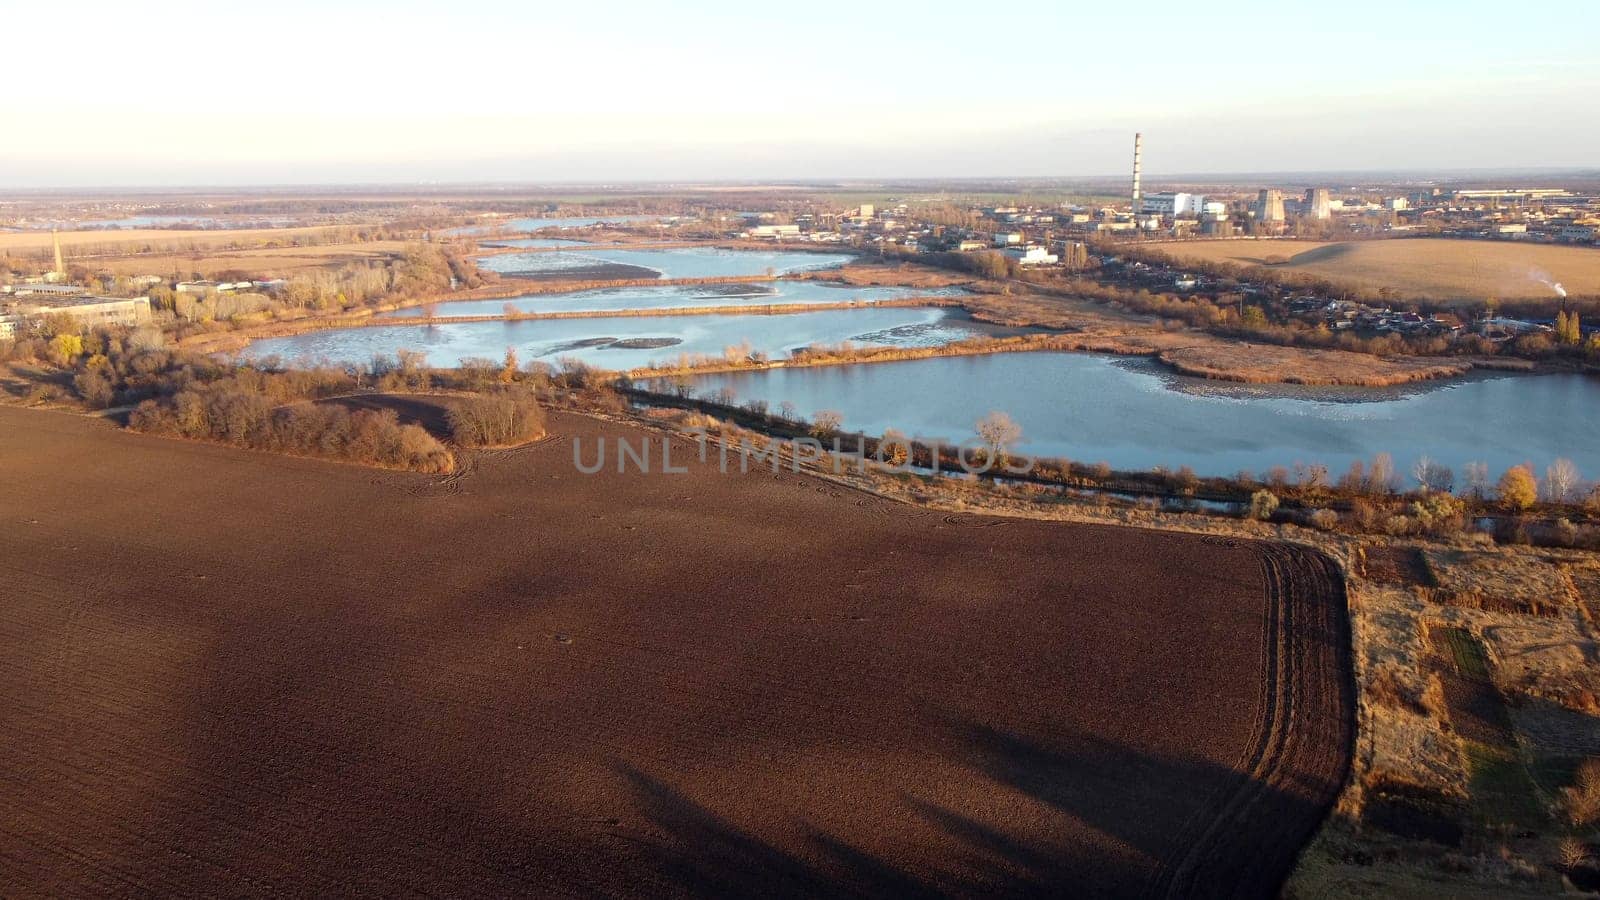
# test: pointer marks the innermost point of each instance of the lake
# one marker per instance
(536, 224)
(1134, 414)
(591, 340)
(669, 296)
(537, 242)
(685, 262)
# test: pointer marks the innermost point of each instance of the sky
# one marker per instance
(339, 91)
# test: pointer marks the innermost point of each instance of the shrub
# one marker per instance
(94, 387)
(498, 418)
(1325, 519)
(1263, 504)
(1581, 801)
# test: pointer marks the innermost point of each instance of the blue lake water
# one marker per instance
(677, 296)
(685, 262)
(776, 335)
(1134, 415)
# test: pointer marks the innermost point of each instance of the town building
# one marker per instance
(1031, 256)
(1578, 234)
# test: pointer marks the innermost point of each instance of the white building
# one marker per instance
(1007, 238)
(1173, 204)
(8, 327)
(1031, 256)
(1582, 234)
(775, 231)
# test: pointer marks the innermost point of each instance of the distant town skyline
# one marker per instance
(298, 93)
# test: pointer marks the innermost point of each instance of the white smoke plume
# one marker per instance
(1544, 278)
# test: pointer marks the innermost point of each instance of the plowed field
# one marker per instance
(227, 673)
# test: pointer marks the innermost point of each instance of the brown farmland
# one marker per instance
(228, 673)
(1434, 268)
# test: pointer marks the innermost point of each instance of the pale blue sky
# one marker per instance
(180, 92)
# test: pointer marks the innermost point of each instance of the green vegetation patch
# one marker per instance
(1464, 651)
(1503, 792)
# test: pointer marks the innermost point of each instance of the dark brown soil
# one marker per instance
(1476, 711)
(431, 411)
(229, 673)
(1398, 565)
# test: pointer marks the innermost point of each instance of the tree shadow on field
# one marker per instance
(1321, 254)
(1068, 813)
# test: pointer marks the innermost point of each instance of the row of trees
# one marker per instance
(238, 415)
(421, 271)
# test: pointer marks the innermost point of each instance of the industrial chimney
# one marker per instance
(1138, 151)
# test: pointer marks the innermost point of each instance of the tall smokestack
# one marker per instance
(55, 237)
(1138, 151)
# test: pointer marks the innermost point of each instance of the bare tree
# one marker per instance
(1560, 481)
(998, 432)
(1477, 479)
(825, 422)
(1433, 476)
(1382, 475)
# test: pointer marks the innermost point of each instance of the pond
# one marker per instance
(685, 262)
(1134, 414)
(677, 296)
(629, 342)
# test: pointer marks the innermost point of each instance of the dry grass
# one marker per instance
(1424, 267)
(271, 261)
(1501, 582)
(1268, 364)
(128, 239)
(1103, 329)
(902, 274)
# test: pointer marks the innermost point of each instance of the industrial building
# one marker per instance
(775, 231)
(1318, 205)
(42, 288)
(1269, 205)
(1510, 195)
(89, 312)
(1173, 204)
(1138, 153)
